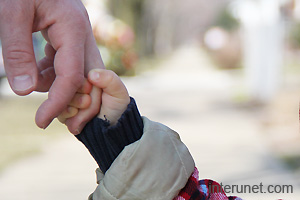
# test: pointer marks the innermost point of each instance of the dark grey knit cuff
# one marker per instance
(106, 142)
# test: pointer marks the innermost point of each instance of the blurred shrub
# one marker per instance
(223, 47)
(222, 41)
(292, 161)
(294, 36)
(226, 20)
(116, 43)
(131, 13)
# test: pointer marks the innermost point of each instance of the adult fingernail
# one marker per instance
(95, 76)
(22, 83)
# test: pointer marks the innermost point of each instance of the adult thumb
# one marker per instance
(18, 54)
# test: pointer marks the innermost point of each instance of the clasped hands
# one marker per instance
(71, 52)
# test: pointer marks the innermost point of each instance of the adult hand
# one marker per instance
(71, 50)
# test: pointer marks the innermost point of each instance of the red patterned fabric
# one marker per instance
(202, 190)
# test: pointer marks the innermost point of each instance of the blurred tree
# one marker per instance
(294, 35)
(162, 26)
(115, 37)
(222, 40)
(130, 12)
(226, 20)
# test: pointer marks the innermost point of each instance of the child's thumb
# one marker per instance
(108, 81)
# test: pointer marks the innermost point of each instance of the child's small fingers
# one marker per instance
(61, 120)
(109, 82)
(86, 88)
(77, 123)
(67, 113)
(81, 101)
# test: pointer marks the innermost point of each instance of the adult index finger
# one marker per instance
(69, 77)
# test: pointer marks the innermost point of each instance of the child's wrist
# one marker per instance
(105, 142)
(111, 118)
(113, 115)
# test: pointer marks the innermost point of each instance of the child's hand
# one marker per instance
(81, 100)
(115, 97)
(82, 108)
(114, 100)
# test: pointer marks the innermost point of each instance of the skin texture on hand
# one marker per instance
(115, 97)
(107, 87)
(71, 51)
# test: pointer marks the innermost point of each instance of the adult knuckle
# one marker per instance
(16, 56)
(82, 12)
(78, 14)
(81, 21)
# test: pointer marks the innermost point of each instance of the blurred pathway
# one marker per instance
(63, 171)
(190, 96)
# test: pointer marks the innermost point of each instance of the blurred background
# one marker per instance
(223, 74)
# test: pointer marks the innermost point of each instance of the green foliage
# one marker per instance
(294, 35)
(131, 12)
(226, 20)
(293, 162)
(128, 11)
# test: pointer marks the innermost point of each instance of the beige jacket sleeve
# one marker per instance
(155, 167)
